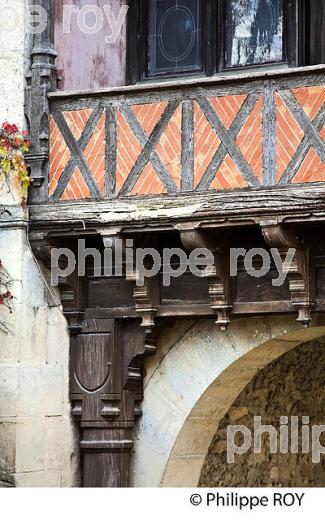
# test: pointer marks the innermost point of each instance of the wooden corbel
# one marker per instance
(146, 295)
(220, 287)
(146, 299)
(72, 287)
(300, 273)
(41, 247)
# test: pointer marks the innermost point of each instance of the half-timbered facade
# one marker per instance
(221, 148)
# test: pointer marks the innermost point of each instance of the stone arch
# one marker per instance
(197, 375)
(290, 387)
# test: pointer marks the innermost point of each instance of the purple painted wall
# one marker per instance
(86, 61)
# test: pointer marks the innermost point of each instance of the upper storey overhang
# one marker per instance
(231, 146)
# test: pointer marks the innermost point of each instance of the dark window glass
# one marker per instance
(174, 37)
(254, 32)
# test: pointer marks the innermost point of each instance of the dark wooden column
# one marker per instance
(40, 80)
(106, 393)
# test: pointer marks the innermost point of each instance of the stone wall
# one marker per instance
(195, 377)
(37, 438)
(291, 386)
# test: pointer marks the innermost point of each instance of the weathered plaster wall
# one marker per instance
(86, 61)
(191, 357)
(13, 45)
(37, 439)
(293, 385)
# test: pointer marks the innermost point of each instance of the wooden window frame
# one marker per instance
(213, 40)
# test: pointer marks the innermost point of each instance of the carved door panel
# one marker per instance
(93, 361)
(95, 364)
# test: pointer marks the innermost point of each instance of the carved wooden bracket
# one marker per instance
(145, 292)
(300, 273)
(220, 287)
(146, 299)
(72, 288)
(41, 247)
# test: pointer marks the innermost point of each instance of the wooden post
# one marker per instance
(40, 80)
(106, 391)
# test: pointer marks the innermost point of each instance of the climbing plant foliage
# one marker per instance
(13, 173)
(13, 145)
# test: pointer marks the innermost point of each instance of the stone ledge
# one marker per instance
(13, 216)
